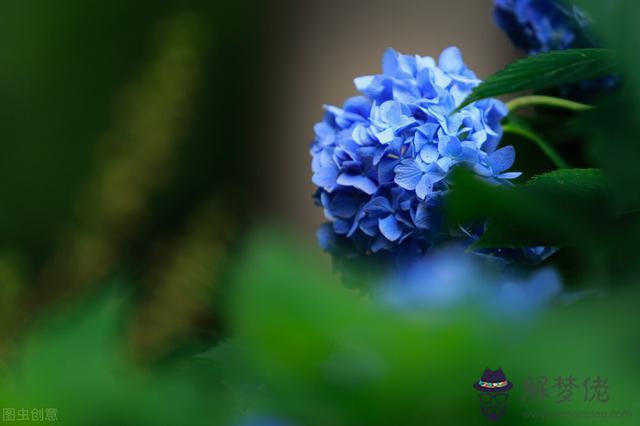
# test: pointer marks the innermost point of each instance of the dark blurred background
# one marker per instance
(144, 139)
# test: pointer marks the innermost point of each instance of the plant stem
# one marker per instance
(542, 144)
(548, 101)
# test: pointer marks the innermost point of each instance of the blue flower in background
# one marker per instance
(382, 162)
(538, 26)
(450, 277)
(543, 25)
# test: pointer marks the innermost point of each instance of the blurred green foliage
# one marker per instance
(114, 121)
(306, 349)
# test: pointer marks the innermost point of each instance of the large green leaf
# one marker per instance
(574, 194)
(581, 182)
(557, 208)
(545, 70)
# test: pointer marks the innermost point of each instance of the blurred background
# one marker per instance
(146, 139)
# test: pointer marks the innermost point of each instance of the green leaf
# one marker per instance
(545, 70)
(580, 182)
(557, 208)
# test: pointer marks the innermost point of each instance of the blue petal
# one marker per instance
(544, 284)
(394, 114)
(419, 140)
(364, 82)
(325, 177)
(426, 84)
(390, 228)
(369, 226)
(379, 155)
(323, 130)
(405, 204)
(346, 119)
(408, 174)
(440, 168)
(378, 206)
(358, 105)
(424, 187)
(428, 130)
(343, 205)
(450, 146)
(360, 134)
(422, 216)
(406, 67)
(385, 170)
(423, 62)
(406, 91)
(429, 153)
(381, 243)
(360, 182)
(405, 219)
(469, 152)
(509, 175)
(341, 226)
(390, 62)
(441, 78)
(384, 136)
(482, 170)
(377, 88)
(333, 110)
(479, 137)
(502, 159)
(356, 222)
(451, 60)
(325, 236)
(458, 94)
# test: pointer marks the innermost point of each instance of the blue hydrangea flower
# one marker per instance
(382, 162)
(538, 26)
(450, 277)
(543, 25)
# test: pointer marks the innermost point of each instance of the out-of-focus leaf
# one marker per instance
(616, 24)
(545, 70)
(326, 355)
(329, 355)
(614, 127)
(585, 183)
(76, 364)
(557, 208)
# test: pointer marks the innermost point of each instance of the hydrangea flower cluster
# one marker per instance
(542, 25)
(538, 26)
(382, 162)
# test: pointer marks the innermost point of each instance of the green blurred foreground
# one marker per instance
(308, 350)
